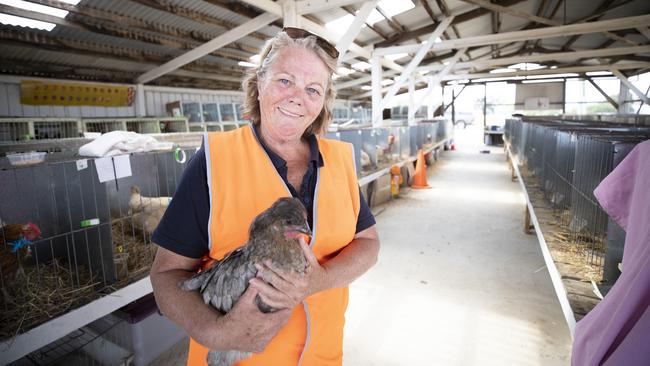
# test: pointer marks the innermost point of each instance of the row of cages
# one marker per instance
(570, 158)
(68, 238)
(26, 129)
(202, 112)
(379, 148)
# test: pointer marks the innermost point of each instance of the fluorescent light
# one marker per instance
(598, 73)
(24, 22)
(527, 66)
(554, 67)
(393, 7)
(501, 71)
(35, 7)
(541, 81)
(340, 25)
(396, 56)
(366, 87)
(505, 78)
(437, 40)
(361, 65)
(565, 75)
(386, 82)
(246, 64)
(255, 59)
(71, 2)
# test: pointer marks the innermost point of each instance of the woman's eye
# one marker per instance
(284, 81)
(313, 91)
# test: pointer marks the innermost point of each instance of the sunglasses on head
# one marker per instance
(297, 33)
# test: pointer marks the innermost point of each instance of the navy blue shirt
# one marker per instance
(184, 227)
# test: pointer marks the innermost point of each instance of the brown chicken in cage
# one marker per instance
(140, 203)
(146, 211)
(15, 247)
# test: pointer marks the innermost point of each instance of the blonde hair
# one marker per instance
(254, 76)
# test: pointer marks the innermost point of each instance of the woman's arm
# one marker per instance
(284, 290)
(244, 328)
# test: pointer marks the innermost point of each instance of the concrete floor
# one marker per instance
(457, 283)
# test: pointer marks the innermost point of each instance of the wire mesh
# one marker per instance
(91, 237)
(569, 160)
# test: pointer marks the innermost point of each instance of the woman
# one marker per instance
(288, 99)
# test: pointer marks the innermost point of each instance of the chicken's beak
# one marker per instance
(300, 228)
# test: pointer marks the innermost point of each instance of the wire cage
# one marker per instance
(69, 237)
(24, 129)
(569, 159)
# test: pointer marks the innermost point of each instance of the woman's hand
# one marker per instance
(285, 289)
(246, 328)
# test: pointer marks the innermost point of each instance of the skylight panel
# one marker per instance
(35, 7)
(340, 25)
(393, 7)
(374, 17)
(24, 22)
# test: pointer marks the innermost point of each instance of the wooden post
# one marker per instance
(527, 224)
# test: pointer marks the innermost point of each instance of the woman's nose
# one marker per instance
(296, 96)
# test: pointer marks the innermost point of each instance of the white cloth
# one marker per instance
(122, 142)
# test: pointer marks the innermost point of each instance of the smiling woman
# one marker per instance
(240, 173)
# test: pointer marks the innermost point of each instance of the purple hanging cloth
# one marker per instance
(617, 331)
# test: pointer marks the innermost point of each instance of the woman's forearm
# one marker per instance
(353, 261)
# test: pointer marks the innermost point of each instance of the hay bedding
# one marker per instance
(570, 251)
(52, 289)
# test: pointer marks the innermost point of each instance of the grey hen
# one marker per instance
(273, 236)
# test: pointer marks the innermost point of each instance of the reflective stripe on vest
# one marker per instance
(243, 183)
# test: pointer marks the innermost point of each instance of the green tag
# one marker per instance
(90, 222)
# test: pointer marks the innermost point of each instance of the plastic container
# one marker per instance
(28, 158)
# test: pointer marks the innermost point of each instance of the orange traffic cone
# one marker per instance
(420, 177)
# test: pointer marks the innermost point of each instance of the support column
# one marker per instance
(484, 106)
(411, 113)
(290, 14)
(376, 91)
(431, 105)
(140, 105)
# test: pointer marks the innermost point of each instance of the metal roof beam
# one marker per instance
(534, 18)
(424, 48)
(276, 9)
(353, 31)
(314, 6)
(573, 55)
(559, 70)
(540, 33)
(222, 40)
(624, 80)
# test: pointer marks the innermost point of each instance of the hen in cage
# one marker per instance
(15, 247)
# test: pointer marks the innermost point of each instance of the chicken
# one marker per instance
(15, 246)
(273, 236)
(138, 203)
(147, 220)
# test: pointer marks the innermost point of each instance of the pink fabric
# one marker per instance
(617, 331)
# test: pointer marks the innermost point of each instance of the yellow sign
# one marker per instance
(69, 94)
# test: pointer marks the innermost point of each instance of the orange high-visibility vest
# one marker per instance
(243, 182)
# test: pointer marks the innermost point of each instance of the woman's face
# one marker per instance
(292, 93)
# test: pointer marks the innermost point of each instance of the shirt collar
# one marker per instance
(314, 152)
